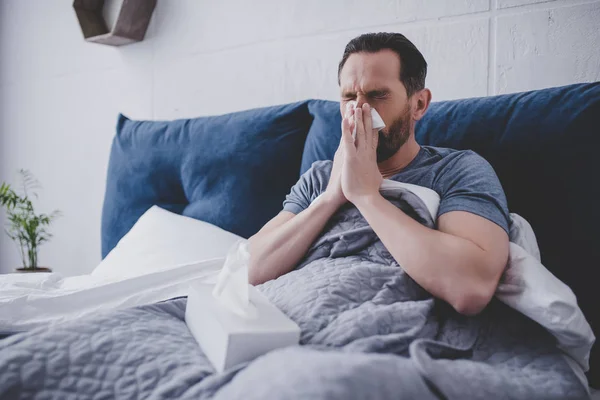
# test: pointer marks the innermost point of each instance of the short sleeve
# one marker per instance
(469, 183)
(312, 183)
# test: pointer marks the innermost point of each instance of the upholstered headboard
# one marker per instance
(235, 170)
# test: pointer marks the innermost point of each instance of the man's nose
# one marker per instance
(360, 100)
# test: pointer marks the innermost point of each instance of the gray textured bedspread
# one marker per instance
(368, 332)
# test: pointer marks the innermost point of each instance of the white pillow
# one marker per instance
(527, 286)
(162, 240)
(428, 196)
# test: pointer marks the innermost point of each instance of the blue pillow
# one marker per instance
(232, 171)
(543, 145)
(325, 132)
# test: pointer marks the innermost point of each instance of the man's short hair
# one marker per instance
(413, 67)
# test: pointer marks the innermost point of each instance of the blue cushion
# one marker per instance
(232, 170)
(543, 145)
(325, 132)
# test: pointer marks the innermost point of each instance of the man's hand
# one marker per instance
(334, 187)
(360, 178)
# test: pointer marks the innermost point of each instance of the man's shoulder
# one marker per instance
(456, 158)
(444, 152)
(317, 176)
(320, 168)
(320, 164)
(467, 182)
(463, 169)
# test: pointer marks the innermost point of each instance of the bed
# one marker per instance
(233, 172)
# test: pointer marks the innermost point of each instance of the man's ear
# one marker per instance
(421, 101)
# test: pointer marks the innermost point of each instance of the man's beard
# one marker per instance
(393, 137)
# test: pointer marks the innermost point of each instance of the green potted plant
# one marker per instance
(26, 228)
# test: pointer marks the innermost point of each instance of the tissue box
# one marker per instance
(228, 339)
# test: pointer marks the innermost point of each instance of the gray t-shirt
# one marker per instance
(464, 181)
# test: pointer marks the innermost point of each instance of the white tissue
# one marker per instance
(231, 290)
(377, 121)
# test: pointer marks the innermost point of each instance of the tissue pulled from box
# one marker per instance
(233, 322)
(231, 289)
(227, 339)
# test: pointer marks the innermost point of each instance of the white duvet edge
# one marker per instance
(30, 311)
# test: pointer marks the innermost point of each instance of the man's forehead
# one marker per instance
(371, 69)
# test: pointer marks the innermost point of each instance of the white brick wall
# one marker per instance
(59, 96)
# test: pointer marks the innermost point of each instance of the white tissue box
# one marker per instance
(228, 339)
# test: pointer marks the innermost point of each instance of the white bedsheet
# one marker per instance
(30, 300)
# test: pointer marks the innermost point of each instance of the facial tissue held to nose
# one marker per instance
(377, 122)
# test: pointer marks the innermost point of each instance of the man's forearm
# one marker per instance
(448, 267)
(277, 252)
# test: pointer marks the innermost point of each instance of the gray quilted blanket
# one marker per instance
(368, 332)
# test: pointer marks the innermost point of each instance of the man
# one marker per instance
(460, 262)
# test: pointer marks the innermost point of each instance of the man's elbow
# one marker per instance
(479, 291)
(255, 277)
(259, 271)
(254, 274)
(474, 302)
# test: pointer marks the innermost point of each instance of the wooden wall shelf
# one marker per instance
(131, 25)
